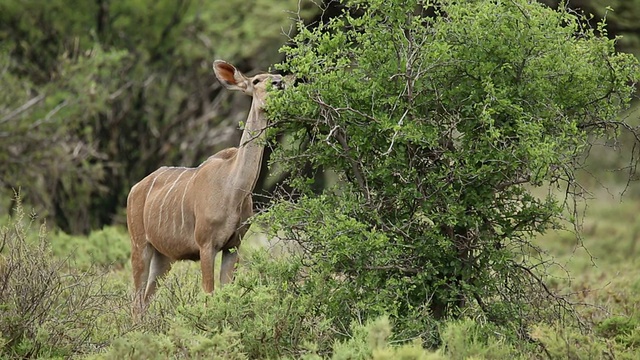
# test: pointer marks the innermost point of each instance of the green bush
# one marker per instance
(263, 305)
(262, 314)
(109, 247)
(624, 330)
(268, 313)
(561, 342)
(468, 339)
(48, 309)
(439, 118)
(177, 344)
(139, 345)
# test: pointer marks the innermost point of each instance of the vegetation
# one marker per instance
(440, 120)
(462, 136)
(49, 309)
(264, 314)
(622, 16)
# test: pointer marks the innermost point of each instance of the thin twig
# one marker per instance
(393, 139)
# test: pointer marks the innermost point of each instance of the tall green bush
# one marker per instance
(440, 117)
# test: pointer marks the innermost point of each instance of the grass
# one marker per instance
(598, 272)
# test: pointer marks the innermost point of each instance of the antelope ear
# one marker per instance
(229, 76)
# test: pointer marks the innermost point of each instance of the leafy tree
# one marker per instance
(441, 119)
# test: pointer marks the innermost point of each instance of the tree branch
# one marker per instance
(355, 166)
(521, 180)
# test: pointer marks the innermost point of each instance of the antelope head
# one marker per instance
(255, 86)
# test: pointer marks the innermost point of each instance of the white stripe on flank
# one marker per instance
(149, 192)
(183, 195)
(167, 195)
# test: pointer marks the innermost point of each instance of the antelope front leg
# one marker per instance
(207, 263)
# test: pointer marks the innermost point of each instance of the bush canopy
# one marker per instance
(441, 120)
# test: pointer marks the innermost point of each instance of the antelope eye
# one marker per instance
(256, 81)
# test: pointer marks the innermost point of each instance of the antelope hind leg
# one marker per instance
(140, 262)
(228, 267)
(158, 267)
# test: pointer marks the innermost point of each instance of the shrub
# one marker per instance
(371, 341)
(266, 313)
(624, 330)
(562, 342)
(468, 339)
(47, 310)
(263, 305)
(439, 118)
(108, 247)
(262, 312)
(177, 344)
(139, 345)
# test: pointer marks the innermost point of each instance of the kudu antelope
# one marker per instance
(179, 213)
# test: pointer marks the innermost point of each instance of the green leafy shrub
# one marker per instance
(47, 309)
(624, 330)
(371, 341)
(108, 247)
(439, 118)
(139, 345)
(616, 326)
(266, 313)
(468, 339)
(177, 344)
(263, 304)
(263, 307)
(560, 342)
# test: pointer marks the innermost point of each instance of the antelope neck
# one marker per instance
(249, 155)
